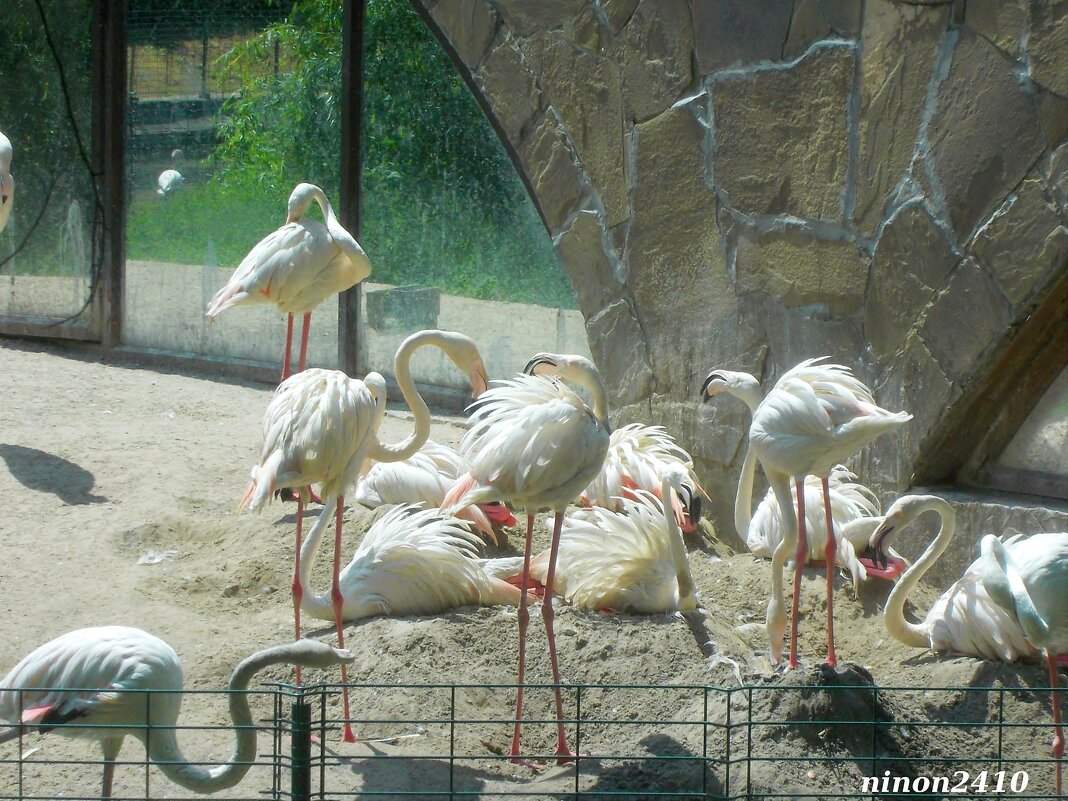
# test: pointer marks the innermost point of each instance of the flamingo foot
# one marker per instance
(347, 735)
(564, 754)
(515, 759)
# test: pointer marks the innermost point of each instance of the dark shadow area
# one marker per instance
(41, 471)
(670, 769)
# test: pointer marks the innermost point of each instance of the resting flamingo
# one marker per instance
(814, 417)
(410, 562)
(1029, 580)
(108, 670)
(630, 561)
(7, 181)
(425, 477)
(637, 455)
(321, 427)
(535, 443)
(296, 268)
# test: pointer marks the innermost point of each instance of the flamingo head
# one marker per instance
(881, 560)
(741, 385)
(300, 198)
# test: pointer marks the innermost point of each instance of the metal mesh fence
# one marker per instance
(775, 740)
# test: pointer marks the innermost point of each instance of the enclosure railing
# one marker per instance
(762, 741)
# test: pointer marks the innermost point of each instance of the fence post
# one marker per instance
(300, 751)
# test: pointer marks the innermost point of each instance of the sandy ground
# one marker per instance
(120, 487)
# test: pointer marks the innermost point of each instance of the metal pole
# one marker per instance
(300, 751)
(348, 310)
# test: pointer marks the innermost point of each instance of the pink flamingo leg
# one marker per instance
(338, 601)
(1058, 733)
(287, 353)
(829, 553)
(799, 565)
(304, 342)
(563, 753)
(524, 619)
(109, 778)
(298, 589)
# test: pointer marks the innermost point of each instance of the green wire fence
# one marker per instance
(776, 740)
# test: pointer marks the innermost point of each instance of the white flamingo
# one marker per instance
(535, 443)
(108, 670)
(637, 456)
(815, 416)
(425, 477)
(170, 179)
(322, 427)
(7, 181)
(1029, 579)
(296, 267)
(410, 562)
(630, 561)
(964, 619)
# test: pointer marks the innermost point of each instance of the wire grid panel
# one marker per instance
(774, 740)
(37, 763)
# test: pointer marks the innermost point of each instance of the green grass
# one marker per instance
(445, 242)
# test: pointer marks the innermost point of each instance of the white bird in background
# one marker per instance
(168, 181)
(296, 268)
(7, 181)
(1029, 580)
(108, 669)
(637, 455)
(410, 562)
(964, 619)
(855, 512)
(534, 443)
(816, 416)
(632, 561)
(322, 427)
(426, 477)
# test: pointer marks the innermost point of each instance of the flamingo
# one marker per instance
(7, 181)
(855, 512)
(1029, 580)
(814, 417)
(637, 455)
(425, 477)
(535, 443)
(410, 562)
(169, 181)
(965, 619)
(101, 677)
(321, 427)
(296, 268)
(630, 561)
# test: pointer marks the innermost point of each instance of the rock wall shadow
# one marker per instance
(41, 471)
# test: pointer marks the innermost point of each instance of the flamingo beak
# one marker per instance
(714, 384)
(539, 364)
(3, 200)
(479, 380)
(880, 563)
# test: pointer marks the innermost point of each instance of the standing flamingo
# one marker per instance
(425, 477)
(109, 671)
(637, 457)
(1029, 580)
(321, 427)
(7, 181)
(410, 562)
(535, 443)
(296, 268)
(816, 416)
(630, 561)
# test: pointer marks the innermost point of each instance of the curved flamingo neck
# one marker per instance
(915, 634)
(678, 547)
(743, 499)
(319, 606)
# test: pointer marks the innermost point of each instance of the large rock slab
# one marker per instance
(781, 133)
(470, 26)
(985, 134)
(556, 178)
(1003, 22)
(582, 247)
(586, 91)
(730, 33)
(798, 270)
(619, 348)
(525, 18)
(657, 47)
(1047, 44)
(967, 319)
(509, 85)
(1023, 244)
(911, 261)
(676, 267)
(899, 47)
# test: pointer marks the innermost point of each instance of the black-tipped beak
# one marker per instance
(537, 361)
(877, 546)
(693, 508)
(3, 200)
(713, 376)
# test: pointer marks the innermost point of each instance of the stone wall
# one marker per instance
(746, 183)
